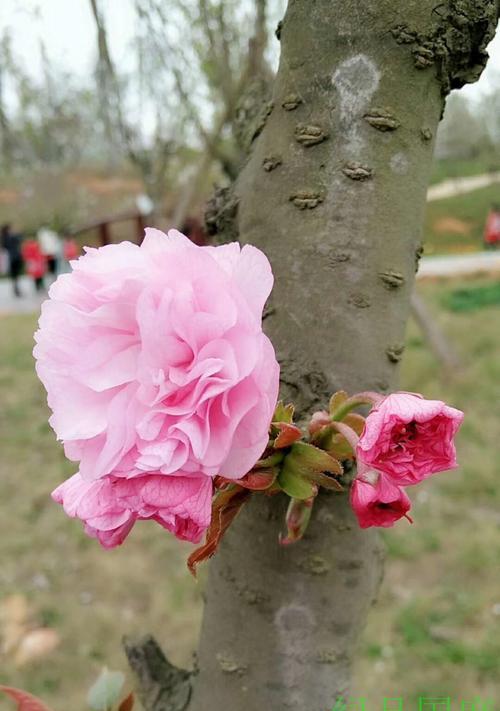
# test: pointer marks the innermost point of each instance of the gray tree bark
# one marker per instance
(334, 193)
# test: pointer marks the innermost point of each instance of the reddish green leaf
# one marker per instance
(297, 520)
(255, 480)
(258, 479)
(288, 434)
(225, 507)
(128, 703)
(25, 701)
(220, 482)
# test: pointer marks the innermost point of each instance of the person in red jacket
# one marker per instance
(71, 250)
(492, 227)
(35, 262)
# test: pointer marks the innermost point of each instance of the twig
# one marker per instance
(161, 685)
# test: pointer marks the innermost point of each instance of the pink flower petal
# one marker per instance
(110, 506)
(410, 438)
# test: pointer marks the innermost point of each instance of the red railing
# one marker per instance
(192, 227)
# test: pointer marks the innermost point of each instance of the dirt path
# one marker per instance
(449, 265)
(452, 265)
(28, 303)
(459, 186)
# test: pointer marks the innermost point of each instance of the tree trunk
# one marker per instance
(334, 193)
(356, 104)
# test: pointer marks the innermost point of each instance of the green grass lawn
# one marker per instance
(456, 224)
(464, 167)
(435, 629)
(90, 596)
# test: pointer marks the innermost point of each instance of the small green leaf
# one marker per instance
(105, 692)
(307, 457)
(340, 448)
(327, 482)
(283, 413)
(294, 484)
(310, 462)
(270, 461)
(336, 400)
(334, 443)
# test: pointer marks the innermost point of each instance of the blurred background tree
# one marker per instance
(178, 114)
(172, 116)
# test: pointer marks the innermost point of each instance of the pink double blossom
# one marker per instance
(155, 365)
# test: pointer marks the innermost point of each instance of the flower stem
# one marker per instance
(364, 398)
(347, 432)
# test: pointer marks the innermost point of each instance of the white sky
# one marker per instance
(67, 27)
(68, 30)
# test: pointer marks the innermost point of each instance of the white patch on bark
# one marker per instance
(399, 164)
(356, 80)
(294, 625)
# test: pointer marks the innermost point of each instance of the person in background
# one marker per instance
(4, 260)
(71, 250)
(11, 243)
(50, 244)
(35, 261)
(492, 227)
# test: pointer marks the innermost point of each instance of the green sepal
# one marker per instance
(334, 443)
(297, 519)
(294, 484)
(283, 413)
(307, 458)
(270, 461)
(337, 400)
